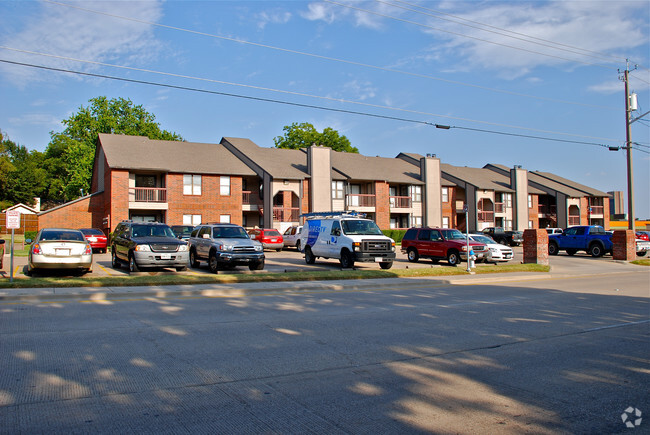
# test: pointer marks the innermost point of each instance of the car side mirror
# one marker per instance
(337, 232)
(27, 241)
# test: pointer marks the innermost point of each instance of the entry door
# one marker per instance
(355, 189)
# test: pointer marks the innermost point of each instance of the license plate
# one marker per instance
(92, 239)
(165, 256)
(62, 252)
(274, 240)
(508, 256)
(378, 259)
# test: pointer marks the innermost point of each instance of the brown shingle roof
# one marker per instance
(359, 167)
(279, 163)
(484, 179)
(142, 153)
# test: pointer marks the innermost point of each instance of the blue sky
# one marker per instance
(495, 71)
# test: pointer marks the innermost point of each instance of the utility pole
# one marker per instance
(628, 146)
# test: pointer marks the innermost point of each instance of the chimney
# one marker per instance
(37, 204)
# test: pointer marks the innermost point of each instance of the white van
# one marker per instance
(347, 237)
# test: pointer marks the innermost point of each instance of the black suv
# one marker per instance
(147, 244)
(224, 246)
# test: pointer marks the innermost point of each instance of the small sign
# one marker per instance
(13, 219)
(465, 208)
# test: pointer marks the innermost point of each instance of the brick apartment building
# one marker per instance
(240, 182)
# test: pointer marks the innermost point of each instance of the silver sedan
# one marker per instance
(60, 248)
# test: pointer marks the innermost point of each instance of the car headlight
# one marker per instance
(493, 250)
(356, 246)
(225, 247)
(464, 247)
(259, 248)
(143, 248)
(182, 248)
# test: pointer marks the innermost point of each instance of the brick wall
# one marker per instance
(382, 205)
(305, 197)
(536, 246)
(584, 211)
(77, 214)
(210, 204)
(624, 245)
(533, 213)
(118, 196)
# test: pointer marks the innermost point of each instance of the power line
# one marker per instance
(311, 106)
(497, 30)
(332, 59)
(338, 100)
(465, 36)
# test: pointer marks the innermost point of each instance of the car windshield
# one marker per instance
(182, 230)
(452, 235)
(68, 235)
(360, 227)
(152, 231)
(229, 233)
(271, 233)
(91, 232)
(483, 239)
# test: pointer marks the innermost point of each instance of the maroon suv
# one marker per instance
(439, 244)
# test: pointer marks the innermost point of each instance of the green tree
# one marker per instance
(22, 176)
(71, 153)
(303, 135)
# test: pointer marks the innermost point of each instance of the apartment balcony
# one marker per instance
(499, 207)
(148, 198)
(546, 211)
(286, 214)
(486, 216)
(400, 202)
(361, 200)
(251, 201)
(596, 211)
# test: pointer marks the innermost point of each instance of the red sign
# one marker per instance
(13, 219)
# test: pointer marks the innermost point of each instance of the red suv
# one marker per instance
(439, 244)
(269, 238)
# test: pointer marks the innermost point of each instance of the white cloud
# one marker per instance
(273, 17)
(73, 33)
(600, 27)
(329, 13)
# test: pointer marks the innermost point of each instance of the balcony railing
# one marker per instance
(148, 194)
(250, 198)
(360, 200)
(574, 220)
(547, 210)
(596, 209)
(486, 216)
(286, 214)
(498, 207)
(400, 201)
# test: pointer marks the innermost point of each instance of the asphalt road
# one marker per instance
(544, 355)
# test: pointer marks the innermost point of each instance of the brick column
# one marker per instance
(536, 246)
(624, 245)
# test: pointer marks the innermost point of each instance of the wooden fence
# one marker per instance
(28, 222)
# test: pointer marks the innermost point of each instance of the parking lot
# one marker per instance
(288, 260)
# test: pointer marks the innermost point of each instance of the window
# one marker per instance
(336, 229)
(507, 200)
(445, 194)
(416, 221)
(530, 201)
(530, 223)
(424, 235)
(337, 190)
(224, 185)
(191, 219)
(508, 224)
(445, 221)
(416, 193)
(224, 218)
(191, 184)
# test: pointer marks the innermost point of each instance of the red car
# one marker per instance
(96, 238)
(643, 235)
(269, 238)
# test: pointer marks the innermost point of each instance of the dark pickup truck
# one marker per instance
(509, 238)
(592, 239)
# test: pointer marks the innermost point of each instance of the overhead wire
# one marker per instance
(339, 100)
(502, 32)
(312, 106)
(329, 58)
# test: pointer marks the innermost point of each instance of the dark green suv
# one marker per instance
(147, 244)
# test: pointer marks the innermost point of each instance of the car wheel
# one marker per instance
(309, 256)
(133, 266)
(278, 250)
(553, 248)
(641, 254)
(571, 251)
(596, 250)
(386, 264)
(114, 261)
(256, 266)
(412, 255)
(213, 263)
(298, 245)
(346, 260)
(452, 258)
(194, 262)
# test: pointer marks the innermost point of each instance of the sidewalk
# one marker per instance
(561, 266)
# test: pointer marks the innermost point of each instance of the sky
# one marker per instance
(536, 84)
